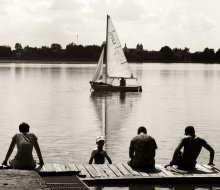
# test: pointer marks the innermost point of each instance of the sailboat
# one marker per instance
(116, 66)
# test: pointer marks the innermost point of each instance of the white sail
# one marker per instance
(117, 65)
(98, 75)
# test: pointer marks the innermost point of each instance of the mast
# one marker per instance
(106, 51)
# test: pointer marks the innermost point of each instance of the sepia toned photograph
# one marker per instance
(110, 94)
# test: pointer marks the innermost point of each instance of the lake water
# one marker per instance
(55, 99)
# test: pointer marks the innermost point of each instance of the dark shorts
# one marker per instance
(183, 165)
(23, 164)
(140, 167)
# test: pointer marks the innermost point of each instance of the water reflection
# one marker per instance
(113, 110)
(56, 100)
(158, 187)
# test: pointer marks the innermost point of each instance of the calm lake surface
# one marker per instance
(55, 99)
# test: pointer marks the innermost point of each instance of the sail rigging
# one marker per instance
(117, 65)
(98, 75)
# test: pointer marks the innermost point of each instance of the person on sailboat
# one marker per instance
(25, 142)
(142, 150)
(122, 82)
(192, 146)
(99, 154)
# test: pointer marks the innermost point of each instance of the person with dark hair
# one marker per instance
(122, 82)
(99, 154)
(142, 150)
(25, 143)
(192, 146)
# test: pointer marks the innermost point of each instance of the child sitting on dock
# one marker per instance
(99, 154)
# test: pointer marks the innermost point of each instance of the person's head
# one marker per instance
(142, 129)
(100, 141)
(24, 128)
(189, 130)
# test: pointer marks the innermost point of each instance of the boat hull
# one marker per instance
(110, 88)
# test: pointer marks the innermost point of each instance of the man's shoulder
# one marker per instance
(199, 139)
(143, 136)
(196, 139)
(33, 136)
(15, 136)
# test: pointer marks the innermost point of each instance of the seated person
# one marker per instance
(99, 154)
(142, 150)
(122, 82)
(192, 146)
(25, 142)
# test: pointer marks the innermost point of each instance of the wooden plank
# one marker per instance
(99, 169)
(83, 170)
(123, 169)
(155, 172)
(164, 170)
(203, 169)
(143, 173)
(115, 170)
(207, 172)
(73, 167)
(178, 172)
(56, 167)
(214, 169)
(65, 168)
(108, 170)
(42, 169)
(48, 168)
(92, 171)
(133, 172)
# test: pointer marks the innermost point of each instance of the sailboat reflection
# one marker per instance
(113, 110)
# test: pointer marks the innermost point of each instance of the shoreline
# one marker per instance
(63, 61)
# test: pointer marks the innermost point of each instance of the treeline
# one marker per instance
(75, 52)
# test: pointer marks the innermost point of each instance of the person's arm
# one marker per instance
(37, 148)
(10, 150)
(108, 158)
(131, 150)
(92, 157)
(155, 147)
(176, 152)
(212, 153)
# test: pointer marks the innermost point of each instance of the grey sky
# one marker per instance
(154, 23)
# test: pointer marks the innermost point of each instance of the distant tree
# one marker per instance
(55, 47)
(196, 57)
(5, 51)
(186, 50)
(18, 47)
(56, 50)
(217, 55)
(167, 54)
(208, 55)
(45, 52)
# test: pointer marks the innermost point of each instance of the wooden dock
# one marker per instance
(122, 173)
